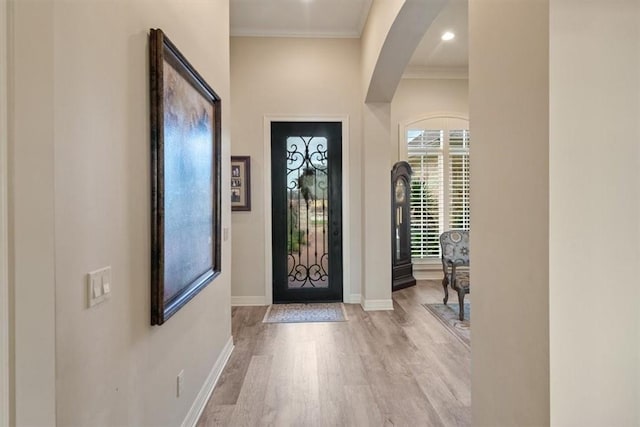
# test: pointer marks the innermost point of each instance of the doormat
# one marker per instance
(301, 313)
(448, 316)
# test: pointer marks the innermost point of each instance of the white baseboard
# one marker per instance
(247, 301)
(207, 388)
(427, 274)
(427, 270)
(377, 304)
(353, 299)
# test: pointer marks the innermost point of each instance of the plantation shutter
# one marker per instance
(459, 179)
(439, 159)
(425, 155)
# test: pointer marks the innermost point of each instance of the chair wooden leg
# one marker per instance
(445, 284)
(461, 293)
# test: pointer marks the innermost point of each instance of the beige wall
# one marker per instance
(594, 211)
(289, 77)
(376, 220)
(572, 206)
(376, 156)
(416, 98)
(381, 17)
(5, 349)
(31, 214)
(81, 143)
(509, 118)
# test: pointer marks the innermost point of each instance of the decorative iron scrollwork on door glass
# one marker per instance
(307, 213)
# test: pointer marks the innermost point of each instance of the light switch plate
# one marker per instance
(98, 286)
(179, 383)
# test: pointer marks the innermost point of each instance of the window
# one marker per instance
(439, 157)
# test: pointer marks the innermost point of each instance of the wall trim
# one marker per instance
(248, 301)
(353, 299)
(377, 304)
(297, 34)
(209, 384)
(346, 207)
(4, 238)
(427, 274)
(427, 270)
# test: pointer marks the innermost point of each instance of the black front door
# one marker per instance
(306, 193)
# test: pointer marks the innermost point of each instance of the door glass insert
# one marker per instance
(307, 212)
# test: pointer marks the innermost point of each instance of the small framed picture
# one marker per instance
(240, 183)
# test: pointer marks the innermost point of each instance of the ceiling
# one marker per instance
(346, 18)
(298, 18)
(434, 53)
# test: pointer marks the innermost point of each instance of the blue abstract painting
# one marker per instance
(188, 177)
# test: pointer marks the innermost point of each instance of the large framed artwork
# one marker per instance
(240, 183)
(185, 180)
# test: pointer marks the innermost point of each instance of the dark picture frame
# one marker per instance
(185, 179)
(240, 183)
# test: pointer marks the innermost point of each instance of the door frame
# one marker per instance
(268, 251)
(4, 238)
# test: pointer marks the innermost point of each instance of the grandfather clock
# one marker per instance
(402, 268)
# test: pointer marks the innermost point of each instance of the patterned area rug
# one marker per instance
(299, 313)
(448, 316)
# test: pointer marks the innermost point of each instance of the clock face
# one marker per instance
(400, 190)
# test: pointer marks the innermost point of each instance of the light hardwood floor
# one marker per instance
(387, 368)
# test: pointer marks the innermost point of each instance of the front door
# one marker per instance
(306, 193)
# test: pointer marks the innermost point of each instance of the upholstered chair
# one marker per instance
(455, 254)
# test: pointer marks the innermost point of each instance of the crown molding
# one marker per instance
(296, 34)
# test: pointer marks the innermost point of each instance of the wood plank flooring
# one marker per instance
(389, 368)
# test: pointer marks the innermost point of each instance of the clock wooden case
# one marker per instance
(402, 268)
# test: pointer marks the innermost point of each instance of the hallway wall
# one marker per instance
(31, 213)
(289, 77)
(379, 22)
(509, 124)
(92, 142)
(594, 210)
(555, 101)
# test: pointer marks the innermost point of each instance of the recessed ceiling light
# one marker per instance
(448, 35)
